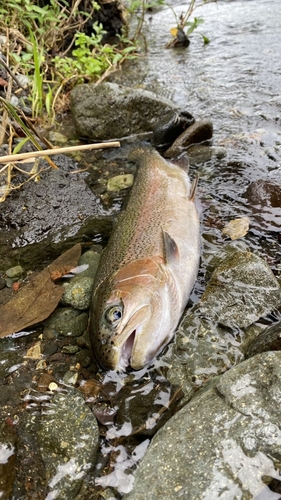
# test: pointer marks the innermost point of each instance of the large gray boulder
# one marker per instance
(208, 340)
(110, 111)
(226, 443)
(241, 290)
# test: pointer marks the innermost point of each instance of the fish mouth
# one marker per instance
(126, 338)
(126, 352)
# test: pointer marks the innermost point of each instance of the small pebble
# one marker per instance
(53, 386)
(14, 272)
(70, 378)
(70, 349)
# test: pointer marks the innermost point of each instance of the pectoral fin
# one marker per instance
(171, 251)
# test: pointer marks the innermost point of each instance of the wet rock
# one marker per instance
(7, 468)
(49, 348)
(67, 322)
(14, 272)
(168, 128)
(44, 382)
(78, 291)
(119, 182)
(199, 154)
(202, 350)
(90, 259)
(214, 256)
(90, 388)
(109, 111)
(267, 340)
(57, 137)
(111, 15)
(78, 294)
(200, 131)
(45, 218)
(241, 290)
(68, 440)
(2, 283)
(226, 439)
(48, 334)
(264, 197)
(84, 340)
(70, 349)
(70, 377)
(143, 407)
(179, 39)
(84, 357)
(208, 340)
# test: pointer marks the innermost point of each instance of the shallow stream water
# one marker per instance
(235, 80)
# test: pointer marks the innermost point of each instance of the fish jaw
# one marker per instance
(125, 339)
(155, 334)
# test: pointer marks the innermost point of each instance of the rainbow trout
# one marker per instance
(148, 268)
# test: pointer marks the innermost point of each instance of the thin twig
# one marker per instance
(55, 151)
(2, 63)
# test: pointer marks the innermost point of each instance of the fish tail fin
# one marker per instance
(193, 188)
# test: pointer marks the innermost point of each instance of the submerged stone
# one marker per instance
(201, 153)
(268, 339)
(78, 294)
(264, 198)
(68, 322)
(226, 439)
(68, 441)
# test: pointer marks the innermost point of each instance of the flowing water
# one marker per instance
(235, 80)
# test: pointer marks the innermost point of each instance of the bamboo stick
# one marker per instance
(55, 151)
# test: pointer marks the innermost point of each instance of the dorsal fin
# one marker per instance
(182, 162)
(193, 188)
(171, 251)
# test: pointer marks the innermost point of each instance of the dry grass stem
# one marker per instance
(55, 151)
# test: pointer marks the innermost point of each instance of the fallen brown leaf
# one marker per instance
(3, 83)
(35, 301)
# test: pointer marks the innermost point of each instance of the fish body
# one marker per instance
(148, 268)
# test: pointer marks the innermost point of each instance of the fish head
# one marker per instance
(131, 317)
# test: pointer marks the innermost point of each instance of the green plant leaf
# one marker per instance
(116, 58)
(48, 101)
(205, 39)
(18, 147)
(128, 49)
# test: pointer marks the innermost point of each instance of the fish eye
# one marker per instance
(113, 314)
